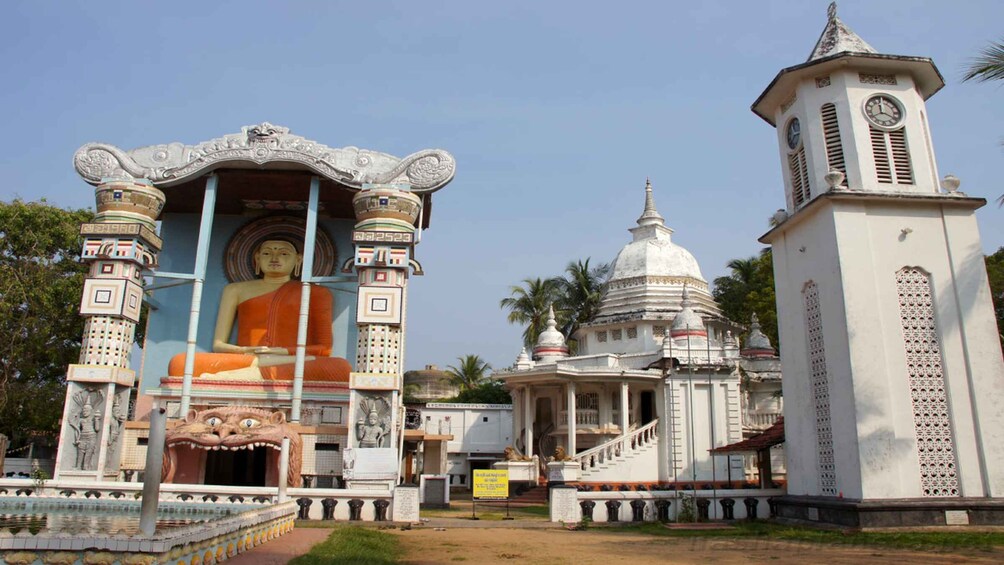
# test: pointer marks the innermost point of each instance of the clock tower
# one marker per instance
(894, 396)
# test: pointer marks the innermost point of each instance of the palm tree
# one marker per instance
(581, 289)
(743, 270)
(528, 304)
(470, 374)
(988, 65)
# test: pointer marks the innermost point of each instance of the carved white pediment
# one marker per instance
(164, 165)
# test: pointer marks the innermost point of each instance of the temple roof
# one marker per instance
(837, 47)
(766, 439)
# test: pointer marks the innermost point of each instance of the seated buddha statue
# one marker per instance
(267, 314)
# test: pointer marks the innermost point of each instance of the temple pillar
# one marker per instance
(118, 245)
(572, 423)
(530, 416)
(625, 416)
(384, 237)
(662, 431)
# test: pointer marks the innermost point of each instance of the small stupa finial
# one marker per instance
(650, 215)
(831, 11)
(551, 342)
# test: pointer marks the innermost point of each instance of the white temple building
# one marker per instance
(656, 382)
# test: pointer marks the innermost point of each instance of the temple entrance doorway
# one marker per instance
(242, 468)
(647, 406)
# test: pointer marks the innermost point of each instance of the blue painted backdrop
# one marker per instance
(168, 326)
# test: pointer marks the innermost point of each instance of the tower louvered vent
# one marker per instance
(799, 177)
(831, 133)
(892, 158)
(900, 157)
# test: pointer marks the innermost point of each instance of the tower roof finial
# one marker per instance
(838, 38)
(650, 215)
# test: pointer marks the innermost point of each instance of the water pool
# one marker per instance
(103, 517)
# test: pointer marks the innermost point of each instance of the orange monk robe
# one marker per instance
(272, 320)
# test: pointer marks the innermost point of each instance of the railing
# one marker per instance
(619, 445)
(583, 417)
(761, 420)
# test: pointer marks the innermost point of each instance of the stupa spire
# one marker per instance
(650, 216)
(838, 38)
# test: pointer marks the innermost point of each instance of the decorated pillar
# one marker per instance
(384, 237)
(119, 244)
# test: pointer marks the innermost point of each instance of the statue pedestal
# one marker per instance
(520, 471)
(370, 468)
(560, 472)
(96, 408)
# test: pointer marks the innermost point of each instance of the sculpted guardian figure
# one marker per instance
(266, 312)
(86, 426)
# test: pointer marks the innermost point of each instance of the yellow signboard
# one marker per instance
(491, 484)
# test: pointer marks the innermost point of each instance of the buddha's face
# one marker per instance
(277, 257)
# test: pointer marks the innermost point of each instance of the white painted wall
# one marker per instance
(852, 249)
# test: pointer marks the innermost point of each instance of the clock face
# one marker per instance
(793, 133)
(883, 110)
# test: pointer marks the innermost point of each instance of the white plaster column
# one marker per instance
(528, 419)
(570, 391)
(606, 409)
(662, 412)
(517, 413)
(625, 417)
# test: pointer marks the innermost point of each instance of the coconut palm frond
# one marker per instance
(988, 65)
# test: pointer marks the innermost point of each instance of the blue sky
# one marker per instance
(555, 111)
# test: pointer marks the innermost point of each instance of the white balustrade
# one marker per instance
(760, 420)
(583, 417)
(618, 446)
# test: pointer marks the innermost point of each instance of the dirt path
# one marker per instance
(425, 546)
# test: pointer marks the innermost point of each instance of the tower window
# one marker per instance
(892, 158)
(831, 133)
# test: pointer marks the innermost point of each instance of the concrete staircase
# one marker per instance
(632, 457)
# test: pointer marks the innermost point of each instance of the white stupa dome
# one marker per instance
(652, 253)
(655, 257)
(648, 275)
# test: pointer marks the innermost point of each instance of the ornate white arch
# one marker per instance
(174, 163)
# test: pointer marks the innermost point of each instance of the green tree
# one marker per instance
(995, 272)
(580, 292)
(41, 279)
(528, 305)
(747, 289)
(491, 391)
(471, 372)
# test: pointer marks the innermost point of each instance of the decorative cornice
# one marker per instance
(658, 280)
(165, 165)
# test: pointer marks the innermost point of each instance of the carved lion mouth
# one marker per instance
(233, 428)
(218, 447)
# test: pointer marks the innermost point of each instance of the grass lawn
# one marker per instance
(352, 545)
(915, 540)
